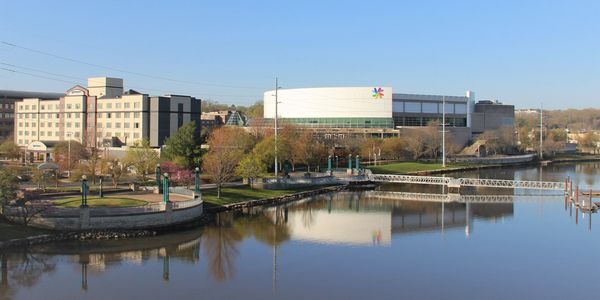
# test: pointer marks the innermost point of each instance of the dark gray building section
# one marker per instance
(162, 108)
(491, 115)
(7, 108)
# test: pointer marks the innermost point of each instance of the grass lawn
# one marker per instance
(10, 231)
(100, 202)
(408, 167)
(231, 195)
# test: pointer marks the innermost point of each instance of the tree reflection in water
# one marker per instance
(22, 270)
(220, 241)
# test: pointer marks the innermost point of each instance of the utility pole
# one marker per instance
(541, 131)
(276, 103)
(443, 131)
(69, 155)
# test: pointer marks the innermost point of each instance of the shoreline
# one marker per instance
(531, 163)
(117, 234)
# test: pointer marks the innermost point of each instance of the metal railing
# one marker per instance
(476, 182)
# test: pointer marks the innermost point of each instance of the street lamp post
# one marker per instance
(337, 162)
(197, 180)
(329, 164)
(158, 178)
(84, 191)
(100, 192)
(166, 188)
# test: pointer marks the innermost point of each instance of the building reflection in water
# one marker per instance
(369, 218)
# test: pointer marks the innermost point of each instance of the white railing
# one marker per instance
(427, 197)
(496, 183)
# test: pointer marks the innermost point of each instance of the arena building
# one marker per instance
(378, 112)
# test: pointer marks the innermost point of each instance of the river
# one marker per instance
(348, 245)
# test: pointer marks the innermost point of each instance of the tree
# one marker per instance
(62, 157)
(227, 146)
(310, 150)
(142, 158)
(116, 169)
(415, 143)
(9, 149)
(178, 175)
(39, 177)
(256, 110)
(183, 147)
(251, 167)
(9, 186)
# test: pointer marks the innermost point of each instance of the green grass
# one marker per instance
(9, 231)
(232, 195)
(100, 202)
(411, 167)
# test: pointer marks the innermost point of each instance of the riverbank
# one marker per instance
(15, 235)
(428, 168)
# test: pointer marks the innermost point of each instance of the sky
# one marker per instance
(519, 52)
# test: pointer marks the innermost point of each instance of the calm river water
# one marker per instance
(349, 245)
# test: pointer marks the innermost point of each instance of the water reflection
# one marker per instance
(247, 248)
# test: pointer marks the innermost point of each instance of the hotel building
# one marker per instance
(101, 115)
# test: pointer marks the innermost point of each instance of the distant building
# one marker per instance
(378, 112)
(101, 115)
(223, 117)
(7, 108)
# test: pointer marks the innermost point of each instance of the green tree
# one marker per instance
(142, 158)
(116, 169)
(9, 185)
(256, 110)
(9, 149)
(183, 147)
(251, 167)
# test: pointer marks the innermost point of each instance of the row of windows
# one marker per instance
(7, 115)
(136, 135)
(342, 122)
(118, 125)
(75, 106)
(429, 107)
(109, 115)
(7, 106)
(423, 121)
(118, 105)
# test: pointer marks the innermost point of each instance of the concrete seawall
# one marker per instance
(90, 218)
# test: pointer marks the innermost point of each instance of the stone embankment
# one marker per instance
(76, 235)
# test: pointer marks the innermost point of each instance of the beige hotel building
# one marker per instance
(101, 115)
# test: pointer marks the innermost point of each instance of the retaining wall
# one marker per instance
(86, 218)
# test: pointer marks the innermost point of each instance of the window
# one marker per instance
(136, 135)
(108, 115)
(42, 124)
(117, 125)
(108, 105)
(77, 115)
(117, 115)
(68, 106)
(42, 107)
(430, 108)
(117, 105)
(76, 124)
(26, 124)
(33, 107)
(99, 125)
(68, 124)
(108, 125)
(57, 116)
(126, 135)
(136, 105)
(126, 125)
(398, 106)
(77, 106)
(412, 107)
(42, 116)
(49, 133)
(41, 133)
(108, 134)
(49, 124)
(68, 115)
(26, 107)
(99, 105)
(126, 115)
(136, 114)
(460, 108)
(126, 104)
(136, 125)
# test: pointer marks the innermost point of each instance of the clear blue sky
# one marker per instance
(519, 52)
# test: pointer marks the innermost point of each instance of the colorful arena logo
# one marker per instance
(377, 93)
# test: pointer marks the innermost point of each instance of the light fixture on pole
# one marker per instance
(276, 124)
(443, 131)
(541, 131)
